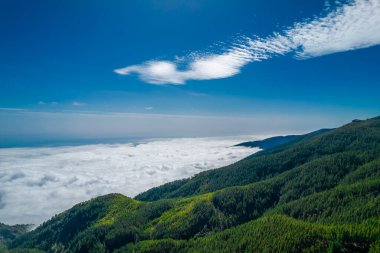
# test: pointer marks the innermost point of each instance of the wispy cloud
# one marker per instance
(47, 103)
(209, 66)
(11, 109)
(351, 26)
(348, 27)
(76, 103)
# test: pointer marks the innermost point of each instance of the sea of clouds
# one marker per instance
(36, 183)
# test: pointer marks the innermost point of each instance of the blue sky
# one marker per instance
(315, 63)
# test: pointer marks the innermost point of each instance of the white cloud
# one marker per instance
(211, 66)
(155, 72)
(351, 26)
(12, 109)
(37, 183)
(76, 103)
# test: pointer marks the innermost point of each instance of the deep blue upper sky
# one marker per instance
(61, 55)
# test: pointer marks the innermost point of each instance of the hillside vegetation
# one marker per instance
(8, 233)
(277, 140)
(320, 193)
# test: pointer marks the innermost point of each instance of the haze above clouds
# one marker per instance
(23, 127)
(37, 183)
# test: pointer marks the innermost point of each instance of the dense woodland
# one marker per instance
(277, 140)
(317, 193)
(8, 233)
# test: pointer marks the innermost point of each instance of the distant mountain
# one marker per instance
(269, 142)
(8, 233)
(320, 193)
(277, 140)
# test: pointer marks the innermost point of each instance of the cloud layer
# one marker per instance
(37, 183)
(348, 27)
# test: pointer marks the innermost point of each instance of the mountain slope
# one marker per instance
(277, 140)
(358, 135)
(318, 194)
(274, 233)
(269, 142)
(8, 233)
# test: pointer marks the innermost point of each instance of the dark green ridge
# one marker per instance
(277, 140)
(8, 233)
(271, 162)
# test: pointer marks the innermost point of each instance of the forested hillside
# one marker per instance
(320, 193)
(277, 140)
(8, 233)
(357, 136)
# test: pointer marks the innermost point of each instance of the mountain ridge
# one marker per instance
(275, 141)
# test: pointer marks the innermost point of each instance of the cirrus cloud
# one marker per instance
(350, 26)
